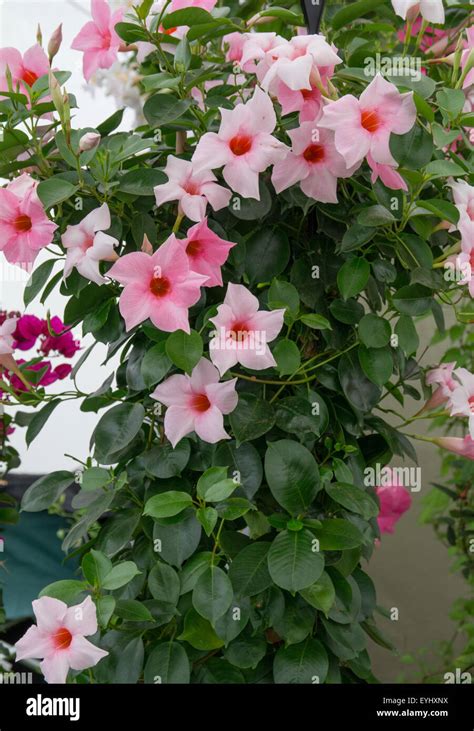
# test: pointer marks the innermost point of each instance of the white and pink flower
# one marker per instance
(25, 70)
(430, 10)
(87, 245)
(97, 39)
(442, 377)
(197, 403)
(364, 125)
(243, 146)
(461, 398)
(59, 637)
(313, 162)
(243, 331)
(160, 286)
(193, 189)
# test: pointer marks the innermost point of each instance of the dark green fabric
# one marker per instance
(31, 559)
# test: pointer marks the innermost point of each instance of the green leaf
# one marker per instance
(377, 364)
(94, 478)
(252, 418)
(292, 475)
(246, 652)
(320, 595)
(193, 569)
(67, 590)
(287, 356)
(305, 663)
(244, 465)
(407, 335)
(451, 102)
(212, 595)
(414, 252)
(184, 350)
(267, 254)
(298, 416)
(105, 608)
(175, 542)
(116, 429)
(374, 331)
(141, 182)
(375, 216)
(249, 570)
(283, 294)
(121, 574)
(55, 190)
(163, 461)
(39, 420)
(335, 534)
(161, 109)
(167, 504)
(353, 498)
(355, 237)
(353, 12)
(358, 389)
(45, 491)
(316, 322)
(294, 560)
(130, 32)
(353, 276)
(168, 663)
(214, 485)
(37, 281)
(132, 611)
(95, 566)
(187, 16)
(413, 299)
(412, 150)
(164, 583)
(444, 169)
(199, 632)
(442, 209)
(208, 518)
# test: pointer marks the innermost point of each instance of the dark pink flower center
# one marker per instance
(471, 260)
(62, 638)
(370, 120)
(22, 223)
(471, 404)
(470, 210)
(314, 153)
(240, 144)
(307, 93)
(160, 286)
(29, 77)
(106, 40)
(194, 248)
(239, 331)
(200, 402)
(191, 188)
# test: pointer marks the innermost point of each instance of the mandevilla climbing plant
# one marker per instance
(259, 253)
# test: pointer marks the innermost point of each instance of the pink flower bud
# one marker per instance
(55, 42)
(89, 141)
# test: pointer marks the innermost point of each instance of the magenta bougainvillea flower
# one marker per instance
(244, 145)
(197, 403)
(62, 341)
(59, 637)
(394, 501)
(48, 376)
(313, 162)
(24, 70)
(98, 39)
(161, 287)
(243, 331)
(191, 188)
(430, 10)
(387, 174)
(87, 245)
(24, 226)
(206, 252)
(28, 330)
(364, 125)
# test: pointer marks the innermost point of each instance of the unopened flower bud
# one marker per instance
(89, 141)
(55, 42)
(39, 35)
(147, 248)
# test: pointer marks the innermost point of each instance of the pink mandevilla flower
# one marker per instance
(160, 286)
(461, 399)
(98, 39)
(430, 10)
(463, 195)
(206, 252)
(192, 188)
(442, 377)
(387, 174)
(86, 245)
(60, 638)
(464, 446)
(313, 162)
(62, 341)
(243, 331)
(364, 125)
(244, 145)
(24, 70)
(24, 226)
(197, 403)
(394, 500)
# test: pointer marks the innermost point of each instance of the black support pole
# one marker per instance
(313, 12)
